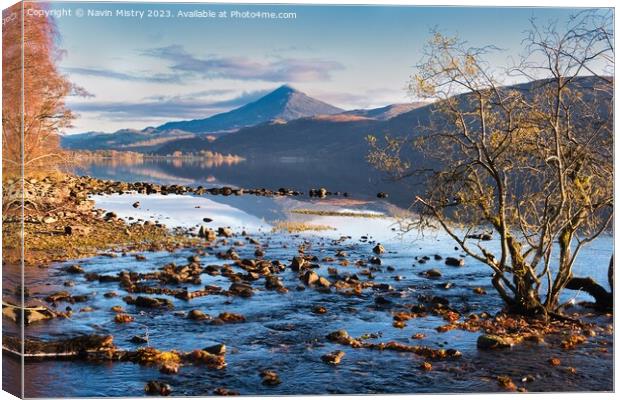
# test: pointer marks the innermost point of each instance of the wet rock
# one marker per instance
(319, 310)
(109, 295)
(75, 269)
(69, 283)
(432, 273)
(378, 249)
(333, 358)
(323, 282)
(151, 302)
(117, 309)
(158, 388)
(136, 204)
(208, 234)
(138, 339)
(375, 260)
(228, 317)
(270, 378)
(555, 362)
(486, 342)
(382, 301)
(123, 318)
(298, 263)
(479, 291)
(241, 289)
(310, 277)
(58, 296)
(426, 366)
(169, 368)
(455, 262)
(224, 232)
(225, 392)
(207, 220)
(216, 349)
(197, 315)
(341, 254)
(481, 236)
(259, 253)
(382, 195)
(437, 257)
(506, 383)
(273, 283)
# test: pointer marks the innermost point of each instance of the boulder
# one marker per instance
(378, 249)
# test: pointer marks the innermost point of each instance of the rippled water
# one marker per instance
(282, 333)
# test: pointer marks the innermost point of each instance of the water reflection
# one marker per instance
(358, 180)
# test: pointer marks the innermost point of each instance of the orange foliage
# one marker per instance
(33, 103)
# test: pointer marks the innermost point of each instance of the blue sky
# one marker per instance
(147, 71)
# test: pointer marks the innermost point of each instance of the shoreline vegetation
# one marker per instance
(136, 157)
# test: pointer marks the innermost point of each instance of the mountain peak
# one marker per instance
(286, 88)
(284, 103)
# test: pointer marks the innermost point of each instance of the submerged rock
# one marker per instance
(158, 388)
(270, 378)
(333, 358)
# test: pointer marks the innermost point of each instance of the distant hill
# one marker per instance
(148, 139)
(335, 137)
(387, 112)
(284, 104)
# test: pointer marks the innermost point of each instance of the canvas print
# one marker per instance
(204, 199)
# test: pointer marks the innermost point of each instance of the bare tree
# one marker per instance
(531, 162)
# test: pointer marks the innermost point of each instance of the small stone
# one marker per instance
(319, 310)
(455, 262)
(75, 269)
(480, 291)
(138, 339)
(426, 366)
(197, 315)
(123, 318)
(333, 358)
(378, 249)
(49, 220)
(217, 349)
(157, 388)
(432, 273)
(270, 378)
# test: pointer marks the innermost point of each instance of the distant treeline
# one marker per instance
(135, 156)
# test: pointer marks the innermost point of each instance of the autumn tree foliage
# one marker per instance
(533, 163)
(34, 91)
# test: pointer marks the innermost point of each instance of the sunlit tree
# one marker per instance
(532, 163)
(34, 91)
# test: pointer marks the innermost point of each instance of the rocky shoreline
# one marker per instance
(64, 225)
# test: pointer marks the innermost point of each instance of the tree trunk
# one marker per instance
(604, 299)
